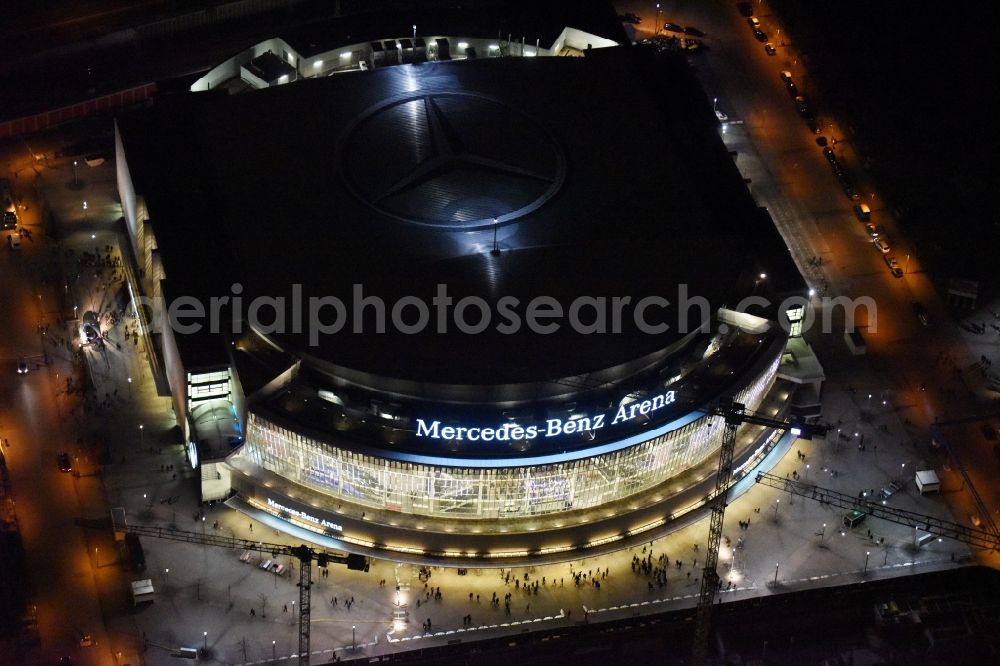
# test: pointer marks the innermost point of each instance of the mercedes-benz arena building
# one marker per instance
(540, 264)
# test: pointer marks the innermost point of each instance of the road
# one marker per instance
(790, 176)
(69, 568)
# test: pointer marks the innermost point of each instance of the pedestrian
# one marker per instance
(251, 527)
(253, 613)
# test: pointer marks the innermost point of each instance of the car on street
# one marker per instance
(672, 27)
(830, 156)
(792, 89)
(816, 128)
(893, 266)
(22, 366)
(760, 35)
(693, 31)
(770, 50)
(64, 463)
(9, 220)
(802, 106)
(872, 231)
(745, 8)
(863, 212)
(785, 75)
(921, 312)
(882, 245)
(754, 23)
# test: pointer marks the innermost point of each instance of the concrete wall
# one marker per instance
(126, 192)
(175, 373)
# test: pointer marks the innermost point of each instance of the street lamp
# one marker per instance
(867, 554)
(906, 266)
(414, 35)
(75, 179)
(776, 503)
(496, 248)
(273, 657)
(205, 634)
(354, 636)
(142, 441)
(656, 26)
(775, 573)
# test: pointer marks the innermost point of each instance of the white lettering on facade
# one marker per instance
(552, 428)
(302, 515)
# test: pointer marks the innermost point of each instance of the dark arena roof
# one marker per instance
(606, 176)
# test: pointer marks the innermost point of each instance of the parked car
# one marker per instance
(893, 266)
(760, 35)
(863, 212)
(792, 89)
(889, 490)
(830, 156)
(694, 32)
(672, 27)
(816, 128)
(64, 463)
(881, 244)
(872, 231)
(754, 23)
(785, 75)
(770, 50)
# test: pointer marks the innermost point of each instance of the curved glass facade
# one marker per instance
(464, 492)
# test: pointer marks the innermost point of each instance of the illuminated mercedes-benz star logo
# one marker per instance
(450, 160)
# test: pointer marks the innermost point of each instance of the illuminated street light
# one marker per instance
(354, 641)
(656, 29)
(867, 554)
(205, 634)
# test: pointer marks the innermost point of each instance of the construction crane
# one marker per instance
(735, 415)
(935, 526)
(304, 554)
(940, 439)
